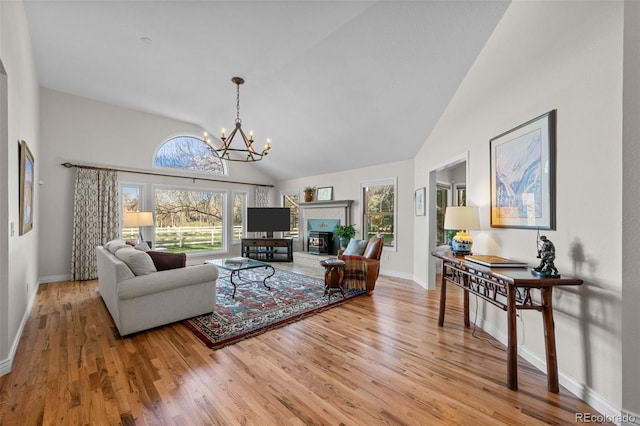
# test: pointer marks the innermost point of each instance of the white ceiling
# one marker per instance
(334, 84)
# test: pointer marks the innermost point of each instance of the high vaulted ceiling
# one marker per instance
(334, 84)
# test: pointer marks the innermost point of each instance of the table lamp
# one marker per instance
(463, 219)
(138, 219)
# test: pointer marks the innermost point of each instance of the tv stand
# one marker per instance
(268, 249)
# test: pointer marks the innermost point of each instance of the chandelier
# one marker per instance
(248, 153)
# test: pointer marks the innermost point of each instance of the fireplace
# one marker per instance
(320, 242)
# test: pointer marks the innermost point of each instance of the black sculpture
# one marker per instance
(547, 256)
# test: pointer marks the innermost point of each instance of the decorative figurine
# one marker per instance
(546, 254)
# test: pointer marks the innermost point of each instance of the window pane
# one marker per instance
(442, 196)
(131, 199)
(380, 198)
(189, 153)
(188, 221)
(291, 201)
(238, 216)
(378, 217)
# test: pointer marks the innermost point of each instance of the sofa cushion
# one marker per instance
(356, 247)
(164, 260)
(138, 261)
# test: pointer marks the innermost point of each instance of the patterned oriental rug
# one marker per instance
(257, 309)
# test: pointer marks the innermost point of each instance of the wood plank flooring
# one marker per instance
(378, 360)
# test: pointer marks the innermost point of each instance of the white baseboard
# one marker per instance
(6, 364)
(54, 278)
(573, 385)
(630, 418)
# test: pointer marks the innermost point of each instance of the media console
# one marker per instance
(268, 249)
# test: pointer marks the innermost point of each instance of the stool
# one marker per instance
(333, 275)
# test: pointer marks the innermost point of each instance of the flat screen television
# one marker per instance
(268, 219)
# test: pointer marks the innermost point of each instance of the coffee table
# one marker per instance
(235, 268)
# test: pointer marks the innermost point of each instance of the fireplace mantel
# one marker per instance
(325, 204)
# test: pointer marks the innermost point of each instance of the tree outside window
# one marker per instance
(291, 201)
(131, 202)
(189, 220)
(239, 209)
(189, 154)
(379, 200)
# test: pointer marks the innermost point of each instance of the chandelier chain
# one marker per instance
(238, 120)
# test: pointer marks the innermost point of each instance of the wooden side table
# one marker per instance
(333, 275)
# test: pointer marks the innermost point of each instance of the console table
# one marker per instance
(509, 289)
(268, 249)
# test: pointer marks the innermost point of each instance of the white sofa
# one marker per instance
(140, 302)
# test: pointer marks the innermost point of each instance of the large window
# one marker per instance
(189, 154)
(379, 206)
(189, 220)
(290, 199)
(239, 214)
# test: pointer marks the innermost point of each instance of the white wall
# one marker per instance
(84, 131)
(346, 186)
(631, 207)
(563, 55)
(18, 283)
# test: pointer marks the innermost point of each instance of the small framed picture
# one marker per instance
(26, 188)
(419, 201)
(325, 194)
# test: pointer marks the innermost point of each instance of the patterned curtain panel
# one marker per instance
(262, 196)
(96, 219)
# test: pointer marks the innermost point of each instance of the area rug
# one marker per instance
(257, 309)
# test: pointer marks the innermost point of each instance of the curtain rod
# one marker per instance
(140, 172)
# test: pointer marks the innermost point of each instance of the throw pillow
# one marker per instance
(138, 261)
(115, 245)
(356, 247)
(143, 246)
(164, 260)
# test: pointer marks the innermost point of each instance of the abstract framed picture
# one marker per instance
(523, 175)
(419, 201)
(325, 194)
(26, 188)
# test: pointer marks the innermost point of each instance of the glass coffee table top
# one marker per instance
(235, 265)
(232, 264)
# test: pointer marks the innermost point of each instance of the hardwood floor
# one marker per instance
(375, 360)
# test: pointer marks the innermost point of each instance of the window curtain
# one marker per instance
(262, 196)
(96, 218)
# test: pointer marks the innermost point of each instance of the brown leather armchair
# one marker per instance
(369, 261)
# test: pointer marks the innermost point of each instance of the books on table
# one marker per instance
(495, 261)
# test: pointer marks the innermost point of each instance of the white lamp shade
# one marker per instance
(138, 219)
(465, 217)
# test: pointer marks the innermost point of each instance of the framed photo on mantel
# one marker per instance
(523, 175)
(325, 194)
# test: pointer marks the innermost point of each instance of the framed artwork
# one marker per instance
(419, 201)
(26, 188)
(325, 194)
(523, 175)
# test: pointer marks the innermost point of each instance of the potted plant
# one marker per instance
(308, 193)
(345, 233)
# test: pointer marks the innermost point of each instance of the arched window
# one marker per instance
(190, 154)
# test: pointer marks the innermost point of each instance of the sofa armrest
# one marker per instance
(167, 280)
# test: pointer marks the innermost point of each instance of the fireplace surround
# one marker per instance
(328, 212)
